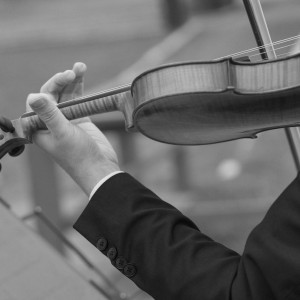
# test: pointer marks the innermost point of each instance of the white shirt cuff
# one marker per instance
(96, 187)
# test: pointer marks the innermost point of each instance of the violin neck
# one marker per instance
(118, 99)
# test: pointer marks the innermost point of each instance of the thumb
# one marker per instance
(47, 112)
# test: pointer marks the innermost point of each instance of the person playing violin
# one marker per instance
(150, 241)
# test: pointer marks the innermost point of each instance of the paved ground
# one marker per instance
(230, 185)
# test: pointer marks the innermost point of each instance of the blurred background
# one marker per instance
(225, 188)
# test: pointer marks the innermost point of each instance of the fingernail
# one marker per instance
(37, 102)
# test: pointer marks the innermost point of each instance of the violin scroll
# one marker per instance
(12, 137)
(6, 125)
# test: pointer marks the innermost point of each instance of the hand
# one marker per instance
(79, 146)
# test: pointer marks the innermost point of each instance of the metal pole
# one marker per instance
(262, 36)
(39, 213)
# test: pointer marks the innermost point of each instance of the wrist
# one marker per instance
(89, 176)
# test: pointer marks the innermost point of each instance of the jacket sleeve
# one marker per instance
(167, 256)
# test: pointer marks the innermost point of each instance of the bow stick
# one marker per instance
(263, 38)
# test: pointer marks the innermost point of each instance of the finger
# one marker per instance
(58, 82)
(48, 112)
(28, 107)
(75, 88)
(79, 69)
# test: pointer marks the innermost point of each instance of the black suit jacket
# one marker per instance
(167, 256)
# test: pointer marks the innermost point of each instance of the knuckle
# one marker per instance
(48, 114)
(58, 74)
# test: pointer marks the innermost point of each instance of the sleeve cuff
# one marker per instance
(97, 186)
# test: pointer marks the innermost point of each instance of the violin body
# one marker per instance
(191, 103)
(210, 102)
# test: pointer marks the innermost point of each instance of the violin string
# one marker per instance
(276, 49)
(279, 55)
(265, 46)
(283, 54)
(127, 87)
(261, 47)
(86, 98)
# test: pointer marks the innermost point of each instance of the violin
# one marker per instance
(191, 103)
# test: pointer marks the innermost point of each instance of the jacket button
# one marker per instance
(112, 253)
(120, 263)
(129, 270)
(101, 244)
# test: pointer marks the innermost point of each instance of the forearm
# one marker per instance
(173, 259)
